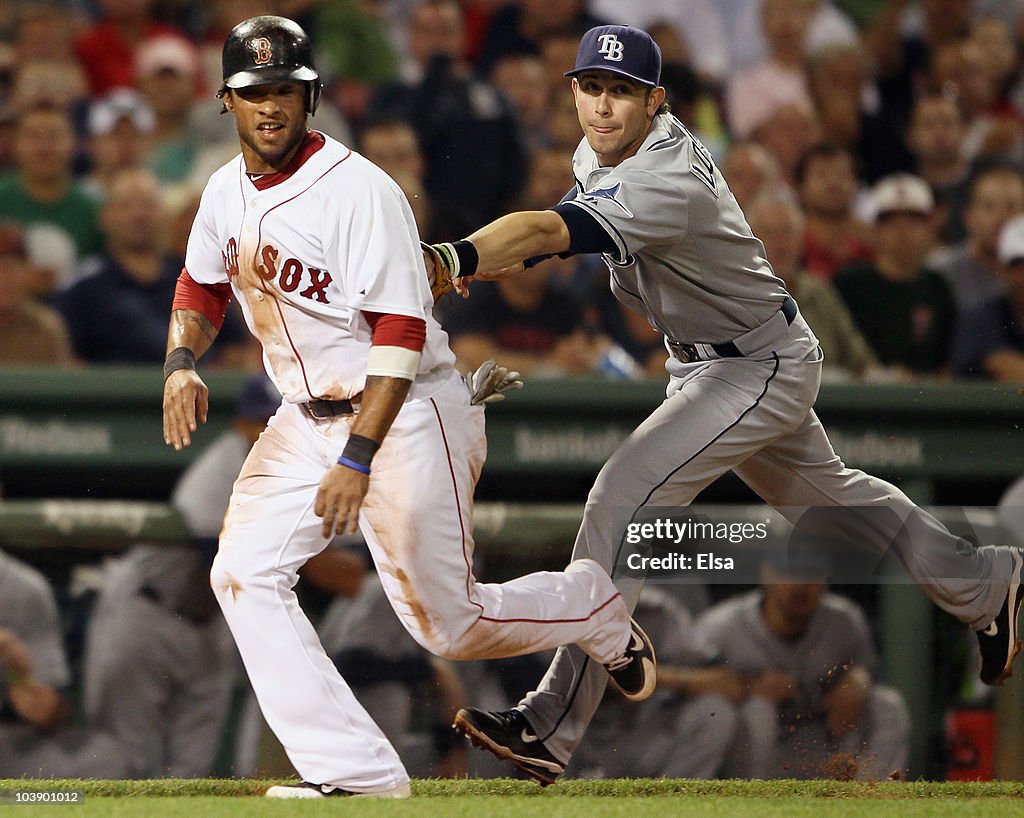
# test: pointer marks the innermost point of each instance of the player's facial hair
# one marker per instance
(273, 159)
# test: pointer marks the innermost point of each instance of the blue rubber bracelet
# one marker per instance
(359, 467)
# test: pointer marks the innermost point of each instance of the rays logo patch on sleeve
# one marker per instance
(609, 193)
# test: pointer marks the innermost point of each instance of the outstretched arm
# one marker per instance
(500, 248)
(495, 250)
(507, 241)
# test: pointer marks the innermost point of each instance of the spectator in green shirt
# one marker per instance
(42, 193)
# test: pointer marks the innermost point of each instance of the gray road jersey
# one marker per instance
(836, 634)
(687, 260)
(28, 607)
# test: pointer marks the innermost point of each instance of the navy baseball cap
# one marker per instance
(257, 400)
(621, 50)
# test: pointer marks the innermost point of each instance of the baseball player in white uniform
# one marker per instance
(377, 429)
(744, 371)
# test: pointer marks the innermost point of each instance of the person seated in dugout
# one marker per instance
(813, 706)
(38, 738)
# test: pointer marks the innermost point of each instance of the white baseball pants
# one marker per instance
(417, 521)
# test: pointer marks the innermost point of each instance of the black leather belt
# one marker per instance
(688, 353)
(321, 409)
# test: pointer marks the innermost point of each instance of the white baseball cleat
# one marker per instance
(309, 790)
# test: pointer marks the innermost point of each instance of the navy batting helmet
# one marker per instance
(270, 49)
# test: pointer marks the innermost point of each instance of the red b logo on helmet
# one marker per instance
(264, 54)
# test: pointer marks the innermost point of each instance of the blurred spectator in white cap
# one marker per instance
(54, 257)
(120, 127)
(905, 310)
(990, 336)
(106, 50)
(935, 137)
(30, 332)
(168, 75)
(995, 195)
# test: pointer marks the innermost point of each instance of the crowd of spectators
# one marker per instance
(877, 149)
(824, 103)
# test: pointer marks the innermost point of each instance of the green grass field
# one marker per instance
(505, 798)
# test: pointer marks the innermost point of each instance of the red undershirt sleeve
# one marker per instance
(210, 300)
(397, 330)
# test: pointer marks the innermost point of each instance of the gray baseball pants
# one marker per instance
(752, 415)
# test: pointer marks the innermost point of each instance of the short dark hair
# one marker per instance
(823, 150)
(992, 167)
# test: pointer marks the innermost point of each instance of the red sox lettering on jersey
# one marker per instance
(292, 272)
(279, 239)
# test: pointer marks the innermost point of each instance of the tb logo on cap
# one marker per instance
(611, 48)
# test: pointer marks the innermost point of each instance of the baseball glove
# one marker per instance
(490, 382)
(439, 274)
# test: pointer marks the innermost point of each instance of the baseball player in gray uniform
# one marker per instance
(813, 708)
(744, 371)
(37, 737)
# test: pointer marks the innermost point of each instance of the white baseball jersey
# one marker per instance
(307, 252)
(677, 228)
(305, 255)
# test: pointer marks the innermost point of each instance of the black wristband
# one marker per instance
(179, 358)
(469, 258)
(461, 257)
(360, 450)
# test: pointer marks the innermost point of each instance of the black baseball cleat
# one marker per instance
(508, 735)
(999, 642)
(307, 789)
(635, 672)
